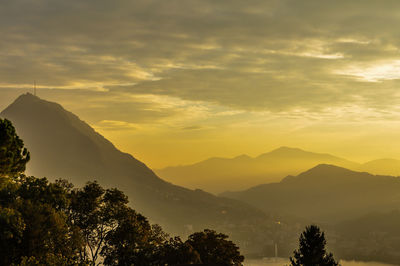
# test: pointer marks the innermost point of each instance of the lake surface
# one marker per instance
(281, 262)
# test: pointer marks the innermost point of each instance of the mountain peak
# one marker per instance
(287, 149)
(28, 95)
(321, 171)
(284, 151)
(28, 104)
(242, 157)
(26, 98)
(328, 167)
(328, 171)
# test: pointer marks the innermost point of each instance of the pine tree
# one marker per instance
(312, 250)
(13, 155)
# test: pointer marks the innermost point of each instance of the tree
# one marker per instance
(97, 212)
(214, 248)
(44, 223)
(34, 225)
(312, 250)
(131, 242)
(176, 252)
(11, 235)
(13, 155)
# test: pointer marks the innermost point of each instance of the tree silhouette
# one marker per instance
(45, 223)
(312, 250)
(215, 249)
(131, 242)
(33, 223)
(97, 212)
(13, 155)
(176, 252)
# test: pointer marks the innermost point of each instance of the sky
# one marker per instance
(174, 82)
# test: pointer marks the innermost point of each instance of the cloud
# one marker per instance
(192, 128)
(96, 106)
(275, 55)
(115, 125)
(375, 72)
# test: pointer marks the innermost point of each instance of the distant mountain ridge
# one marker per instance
(63, 146)
(385, 166)
(325, 193)
(224, 174)
(219, 174)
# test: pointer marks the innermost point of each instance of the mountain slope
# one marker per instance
(382, 167)
(63, 146)
(221, 174)
(376, 233)
(325, 193)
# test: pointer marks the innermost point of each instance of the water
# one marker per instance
(355, 263)
(281, 262)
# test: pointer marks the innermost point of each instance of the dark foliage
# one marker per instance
(214, 248)
(176, 252)
(34, 223)
(13, 155)
(312, 250)
(43, 223)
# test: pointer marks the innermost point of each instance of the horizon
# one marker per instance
(367, 157)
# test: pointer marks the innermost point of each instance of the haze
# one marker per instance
(176, 82)
(259, 119)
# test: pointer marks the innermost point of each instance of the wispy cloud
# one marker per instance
(255, 54)
(141, 64)
(115, 125)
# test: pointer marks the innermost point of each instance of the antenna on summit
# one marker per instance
(34, 87)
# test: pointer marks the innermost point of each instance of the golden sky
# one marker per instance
(177, 81)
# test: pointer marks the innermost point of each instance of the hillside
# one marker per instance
(382, 167)
(374, 236)
(325, 193)
(63, 146)
(223, 174)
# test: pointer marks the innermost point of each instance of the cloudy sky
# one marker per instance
(177, 81)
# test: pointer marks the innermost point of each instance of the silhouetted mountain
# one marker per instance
(382, 167)
(325, 193)
(63, 146)
(222, 174)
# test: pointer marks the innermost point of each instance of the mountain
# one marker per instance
(382, 166)
(325, 193)
(222, 174)
(63, 146)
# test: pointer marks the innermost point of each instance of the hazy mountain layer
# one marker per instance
(325, 193)
(382, 167)
(222, 174)
(63, 146)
